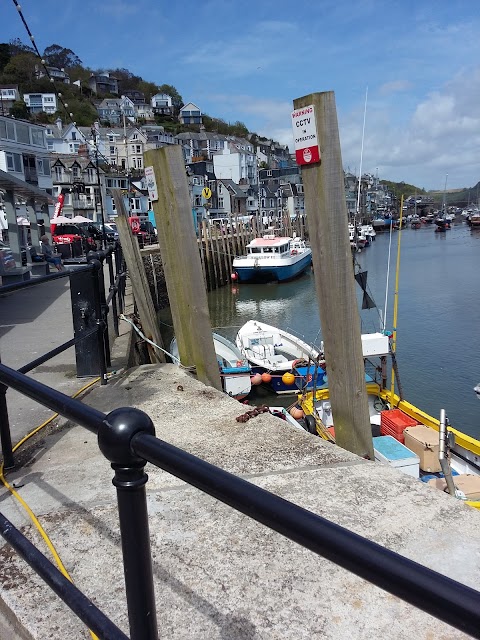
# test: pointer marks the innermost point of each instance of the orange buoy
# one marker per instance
(266, 377)
(296, 412)
(288, 378)
(256, 379)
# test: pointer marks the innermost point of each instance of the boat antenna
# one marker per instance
(361, 156)
(395, 301)
(384, 323)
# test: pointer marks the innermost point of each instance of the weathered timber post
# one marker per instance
(334, 279)
(181, 263)
(136, 273)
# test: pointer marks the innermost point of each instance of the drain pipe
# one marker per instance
(447, 472)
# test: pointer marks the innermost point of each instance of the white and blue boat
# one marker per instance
(235, 370)
(275, 352)
(272, 258)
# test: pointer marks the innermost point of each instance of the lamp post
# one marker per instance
(102, 214)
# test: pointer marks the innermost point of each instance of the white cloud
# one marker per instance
(396, 86)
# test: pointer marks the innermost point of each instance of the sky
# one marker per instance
(411, 68)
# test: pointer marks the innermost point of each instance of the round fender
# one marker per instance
(311, 424)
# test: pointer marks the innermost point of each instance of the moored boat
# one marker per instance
(272, 258)
(235, 371)
(463, 451)
(275, 352)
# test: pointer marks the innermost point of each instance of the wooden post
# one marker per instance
(226, 265)
(334, 281)
(181, 263)
(136, 273)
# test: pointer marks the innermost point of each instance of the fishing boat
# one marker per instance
(415, 221)
(272, 258)
(273, 352)
(235, 371)
(475, 219)
(430, 448)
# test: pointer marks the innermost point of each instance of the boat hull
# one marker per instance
(247, 270)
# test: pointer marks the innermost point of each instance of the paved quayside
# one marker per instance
(218, 574)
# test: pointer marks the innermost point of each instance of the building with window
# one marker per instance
(162, 104)
(8, 95)
(59, 75)
(101, 83)
(76, 177)
(190, 114)
(24, 153)
(37, 102)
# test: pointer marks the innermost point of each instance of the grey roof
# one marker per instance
(23, 189)
(233, 187)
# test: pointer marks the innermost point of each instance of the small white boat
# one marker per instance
(368, 231)
(235, 370)
(272, 258)
(275, 351)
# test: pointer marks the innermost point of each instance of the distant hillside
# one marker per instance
(403, 189)
(19, 65)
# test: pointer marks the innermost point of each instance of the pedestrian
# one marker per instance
(50, 257)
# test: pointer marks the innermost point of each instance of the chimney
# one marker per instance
(59, 124)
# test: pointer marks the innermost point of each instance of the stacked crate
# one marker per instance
(393, 422)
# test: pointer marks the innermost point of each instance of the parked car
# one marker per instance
(111, 231)
(73, 233)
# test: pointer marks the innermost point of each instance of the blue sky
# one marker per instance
(248, 61)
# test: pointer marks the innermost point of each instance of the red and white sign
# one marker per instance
(305, 138)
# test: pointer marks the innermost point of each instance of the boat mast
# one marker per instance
(444, 195)
(395, 300)
(357, 212)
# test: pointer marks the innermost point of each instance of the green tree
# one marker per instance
(16, 47)
(4, 55)
(20, 110)
(20, 69)
(170, 90)
(57, 56)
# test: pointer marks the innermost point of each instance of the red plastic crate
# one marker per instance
(396, 420)
(386, 431)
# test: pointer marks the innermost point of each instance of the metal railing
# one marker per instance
(127, 439)
(89, 311)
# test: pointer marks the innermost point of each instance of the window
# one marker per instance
(109, 182)
(75, 172)
(74, 135)
(299, 188)
(89, 173)
(198, 201)
(220, 203)
(43, 166)
(58, 173)
(123, 184)
(23, 135)
(14, 162)
(112, 150)
(139, 163)
(269, 173)
(138, 148)
(135, 136)
(111, 138)
(37, 137)
(133, 148)
(50, 145)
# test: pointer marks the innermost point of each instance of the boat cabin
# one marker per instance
(269, 245)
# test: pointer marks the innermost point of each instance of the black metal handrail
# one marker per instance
(99, 350)
(126, 437)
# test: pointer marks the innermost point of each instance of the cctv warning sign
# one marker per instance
(307, 150)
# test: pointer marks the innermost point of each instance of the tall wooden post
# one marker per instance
(334, 280)
(181, 263)
(136, 273)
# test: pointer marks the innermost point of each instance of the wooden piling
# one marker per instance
(334, 281)
(182, 265)
(136, 273)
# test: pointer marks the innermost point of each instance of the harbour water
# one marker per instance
(438, 337)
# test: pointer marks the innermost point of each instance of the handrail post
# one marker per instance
(115, 439)
(100, 319)
(113, 288)
(5, 434)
